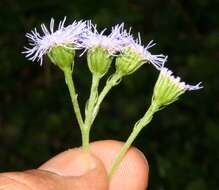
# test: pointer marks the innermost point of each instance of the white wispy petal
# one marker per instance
(177, 80)
(112, 42)
(68, 36)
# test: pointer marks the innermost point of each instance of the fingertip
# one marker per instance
(132, 173)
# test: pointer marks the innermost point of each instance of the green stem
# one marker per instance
(136, 130)
(89, 108)
(74, 96)
(113, 81)
(85, 139)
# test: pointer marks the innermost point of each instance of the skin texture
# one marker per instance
(76, 170)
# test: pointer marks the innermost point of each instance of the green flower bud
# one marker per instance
(99, 61)
(168, 88)
(61, 56)
(128, 62)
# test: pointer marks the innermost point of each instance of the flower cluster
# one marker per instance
(84, 35)
(130, 54)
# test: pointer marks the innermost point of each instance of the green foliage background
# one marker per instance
(181, 143)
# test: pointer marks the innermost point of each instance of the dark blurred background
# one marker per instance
(181, 143)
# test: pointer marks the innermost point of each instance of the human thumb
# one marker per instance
(79, 170)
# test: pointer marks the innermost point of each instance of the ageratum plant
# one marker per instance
(61, 46)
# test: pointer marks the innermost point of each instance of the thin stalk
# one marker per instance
(136, 130)
(113, 81)
(74, 99)
(90, 106)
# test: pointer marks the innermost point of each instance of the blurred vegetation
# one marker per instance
(181, 143)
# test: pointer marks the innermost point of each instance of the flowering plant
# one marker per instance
(120, 45)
